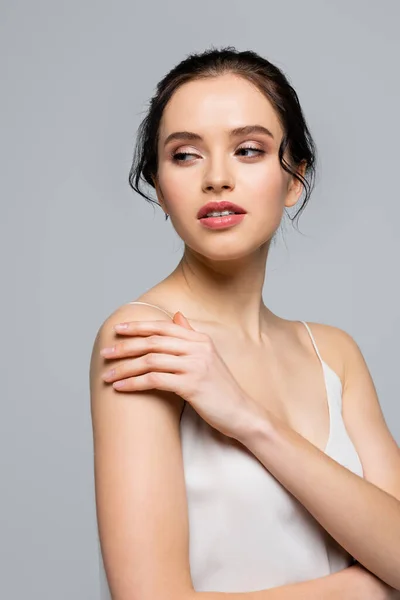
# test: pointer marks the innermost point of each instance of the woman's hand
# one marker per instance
(172, 356)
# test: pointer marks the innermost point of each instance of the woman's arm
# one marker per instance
(361, 514)
(139, 484)
(353, 583)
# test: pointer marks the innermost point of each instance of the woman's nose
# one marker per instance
(218, 177)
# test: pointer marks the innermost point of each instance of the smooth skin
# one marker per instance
(140, 491)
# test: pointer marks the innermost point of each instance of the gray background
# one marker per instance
(77, 242)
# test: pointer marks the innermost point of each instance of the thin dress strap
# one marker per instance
(153, 305)
(313, 341)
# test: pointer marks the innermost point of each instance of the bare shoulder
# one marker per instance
(335, 346)
(340, 343)
(331, 334)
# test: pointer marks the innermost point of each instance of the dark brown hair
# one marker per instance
(270, 80)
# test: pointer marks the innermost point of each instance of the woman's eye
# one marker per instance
(246, 148)
(177, 156)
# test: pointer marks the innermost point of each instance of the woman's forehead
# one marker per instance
(218, 104)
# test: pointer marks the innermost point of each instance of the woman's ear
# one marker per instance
(295, 187)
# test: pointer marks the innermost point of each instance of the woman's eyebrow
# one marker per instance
(246, 130)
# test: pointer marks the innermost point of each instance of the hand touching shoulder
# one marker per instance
(139, 480)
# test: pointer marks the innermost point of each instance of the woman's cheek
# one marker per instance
(264, 176)
(264, 194)
(177, 187)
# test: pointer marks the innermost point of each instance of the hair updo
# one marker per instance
(297, 140)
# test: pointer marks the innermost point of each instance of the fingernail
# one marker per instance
(121, 326)
(107, 351)
(108, 374)
(119, 384)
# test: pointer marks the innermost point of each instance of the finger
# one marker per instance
(168, 382)
(152, 343)
(159, 327)
(181, 320)
(145, 364)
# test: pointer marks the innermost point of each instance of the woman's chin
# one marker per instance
(215, 252)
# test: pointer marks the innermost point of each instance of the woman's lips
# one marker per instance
(222, 222)
(219, 207)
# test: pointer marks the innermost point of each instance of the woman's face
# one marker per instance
(243, 169)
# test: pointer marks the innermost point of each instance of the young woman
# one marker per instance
(245, 455)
